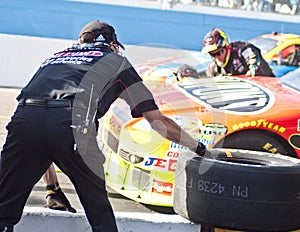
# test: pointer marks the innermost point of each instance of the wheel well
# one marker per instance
(258, 140)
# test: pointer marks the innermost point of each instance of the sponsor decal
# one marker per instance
(161, 187)
(100, 38)
(121, 111)
(270, 148)
(114, 126)
(208, 132)
(225, 92)
(298, 128)
(67, 60)
(72, 58)
(206, 139)
(172, 165)
(161, 164)
(213, 128)
(172, 154)
(237, 65)
(155, 162)
(261, 123)
(295, 141)
(177, 146)
(236, 61)
(83, 53)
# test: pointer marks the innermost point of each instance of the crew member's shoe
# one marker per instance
(57, 200)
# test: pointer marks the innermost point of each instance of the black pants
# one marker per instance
(37, 137)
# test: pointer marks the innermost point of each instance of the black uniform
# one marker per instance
(54, 122)
(243, 57)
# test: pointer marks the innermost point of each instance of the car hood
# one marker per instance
(238, 95)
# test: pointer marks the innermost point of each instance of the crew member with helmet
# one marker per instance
(55, 121)
(233, 58)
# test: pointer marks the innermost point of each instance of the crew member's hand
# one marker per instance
(187, 71)
(251, 71)
(202, 151)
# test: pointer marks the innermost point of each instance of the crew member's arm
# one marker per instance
(186, 71)
(167, 128)
(213, 70)
(142, 103)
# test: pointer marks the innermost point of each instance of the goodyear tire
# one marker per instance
(253, 190)
(259, 140)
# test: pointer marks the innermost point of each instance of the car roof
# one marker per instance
(281, 36)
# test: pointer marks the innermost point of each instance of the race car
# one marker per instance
(281, 50)
(252, 113)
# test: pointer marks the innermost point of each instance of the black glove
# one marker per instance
(213, 153)
(201, 149)
(58, 200)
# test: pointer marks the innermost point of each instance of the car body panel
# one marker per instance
(140, 164)
(274, 43)
(277, 49)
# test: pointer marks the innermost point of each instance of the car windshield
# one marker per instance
(292, 79)
(264, 44)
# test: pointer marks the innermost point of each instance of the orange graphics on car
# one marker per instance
(252, 113)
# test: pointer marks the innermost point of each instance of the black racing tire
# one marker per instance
(258, 140)
(252, 191)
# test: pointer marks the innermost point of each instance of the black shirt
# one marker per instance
(90, 72)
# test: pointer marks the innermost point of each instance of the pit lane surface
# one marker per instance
(37, 198)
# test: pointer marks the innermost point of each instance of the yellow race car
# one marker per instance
(281, 50)
(274, 44)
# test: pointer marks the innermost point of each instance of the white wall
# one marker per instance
(21, 56)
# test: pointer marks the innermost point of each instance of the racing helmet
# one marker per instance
(213, 40)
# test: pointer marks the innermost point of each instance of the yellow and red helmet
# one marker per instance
(213, 40)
